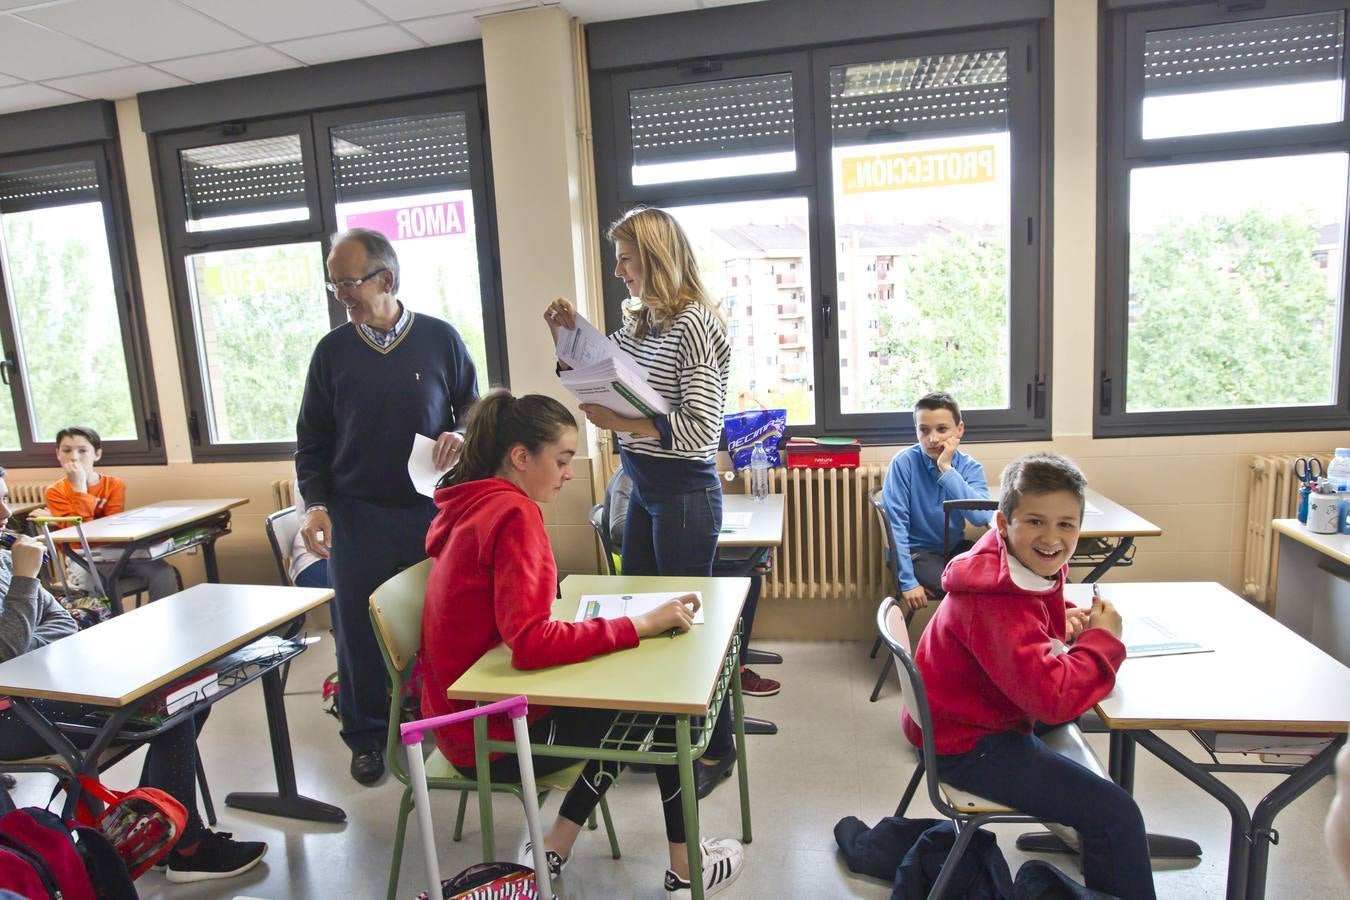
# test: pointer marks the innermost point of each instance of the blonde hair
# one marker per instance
(671, 279)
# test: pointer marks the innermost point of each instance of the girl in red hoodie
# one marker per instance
(1004, 659)
(494, 580)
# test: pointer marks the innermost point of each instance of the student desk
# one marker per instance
(1232, 689)
(145, 526)
(117, 663)
(1312, 586)
(1111, 523)
(688, 675)
(749, 548)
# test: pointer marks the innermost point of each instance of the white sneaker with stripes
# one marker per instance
(722, 859)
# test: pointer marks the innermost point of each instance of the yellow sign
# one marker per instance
(918, 169)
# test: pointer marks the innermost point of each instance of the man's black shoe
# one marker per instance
(368, 766)
(709, 776)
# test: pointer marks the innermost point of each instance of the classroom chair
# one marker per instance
(967, 811)
(396, 613)
(598, 522)
(281, 527)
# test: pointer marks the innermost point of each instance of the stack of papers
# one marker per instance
(616, 606)
(603, 374)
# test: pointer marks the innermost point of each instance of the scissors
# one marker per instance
(1308, 469)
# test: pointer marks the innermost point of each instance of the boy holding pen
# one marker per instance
(1005, 660)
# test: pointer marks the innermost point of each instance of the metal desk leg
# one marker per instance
(743, 757)
(1263, 819)
(1112, 558)
(483, 774)
(689, 803)
(80, 763)
(209, 560)
(285, 801)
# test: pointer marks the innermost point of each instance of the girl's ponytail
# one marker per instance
(498, 422)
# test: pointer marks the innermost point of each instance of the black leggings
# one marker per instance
(573, 727)
(170, 761)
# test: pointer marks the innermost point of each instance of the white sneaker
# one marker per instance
(722, 859)
(555, 861)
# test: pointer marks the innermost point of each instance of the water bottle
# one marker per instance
(1338, 473)
(759, 472)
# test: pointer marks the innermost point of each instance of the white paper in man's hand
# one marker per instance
(421, 469)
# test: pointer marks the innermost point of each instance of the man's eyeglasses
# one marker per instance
(351, 284)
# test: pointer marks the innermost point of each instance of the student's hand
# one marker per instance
(915, 598)
(1104, 615)
(1075, 620)
(446, 452)
(317, 532)
(76, 475)
(560, 314)
(27, 556)
(675, 614)
(944, 460)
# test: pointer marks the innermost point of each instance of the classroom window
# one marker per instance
(253, 208)
(1228, 165)
(900, 219)
(72, 334)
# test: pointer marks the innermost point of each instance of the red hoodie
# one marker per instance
(494, 580)
(987, 660)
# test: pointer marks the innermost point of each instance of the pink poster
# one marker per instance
(406, 223)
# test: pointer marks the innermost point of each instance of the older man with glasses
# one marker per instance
(373, 383)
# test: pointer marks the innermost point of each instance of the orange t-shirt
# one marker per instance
(106, 498)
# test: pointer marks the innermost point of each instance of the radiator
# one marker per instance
(1272, 493)
(29, 492)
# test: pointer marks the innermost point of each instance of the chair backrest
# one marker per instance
(891, 628)
(950, 506)
(396, 610)
(282, 526)
(597, 519)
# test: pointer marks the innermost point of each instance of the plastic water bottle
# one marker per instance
(759, 472)
(1338, 473)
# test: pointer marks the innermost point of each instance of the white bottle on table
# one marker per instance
(759, 472)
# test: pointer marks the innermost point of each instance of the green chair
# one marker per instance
(396, 613)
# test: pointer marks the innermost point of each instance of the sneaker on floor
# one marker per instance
(752, 685)
(722, 859)
(217, 856)
(555, 861)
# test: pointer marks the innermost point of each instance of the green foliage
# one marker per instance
(68, 325)
(947, 328)
(1229, 310)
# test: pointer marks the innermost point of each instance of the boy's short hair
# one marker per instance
(83, 431)
(1039, 473)
(939, 400)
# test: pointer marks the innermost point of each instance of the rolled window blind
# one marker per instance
(1256, 53)
(712, 119)
(25, 189)
(262, 175)
(401, 156)
(883, 101)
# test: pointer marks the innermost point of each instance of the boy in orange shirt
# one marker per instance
(90, 495)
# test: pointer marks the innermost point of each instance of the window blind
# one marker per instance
(261, 175)
(711, 119)
(25, 189)
(401, 156)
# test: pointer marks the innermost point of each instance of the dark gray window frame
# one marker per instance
(312, 127)
(1028, 417)
(90, 133)
(1122, 150)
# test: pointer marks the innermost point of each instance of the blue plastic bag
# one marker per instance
(745, 429)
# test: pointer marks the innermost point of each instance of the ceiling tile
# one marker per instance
(605, 10)
(117, 84)
(34, 53)
(446, 29)
(144, 30)
(14, 4)
(230, 64)
(350, 45)
(6, 81)
(31, 96)
(269, 20)
(419, 9)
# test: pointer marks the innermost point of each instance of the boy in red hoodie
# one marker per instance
(494, 581)
(1005, 659)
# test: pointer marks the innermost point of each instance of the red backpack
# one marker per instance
(37, 860)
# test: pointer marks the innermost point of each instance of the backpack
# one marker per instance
(143, 824)
(490, 881)
(38, 857)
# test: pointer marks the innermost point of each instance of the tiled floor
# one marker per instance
(836, 755)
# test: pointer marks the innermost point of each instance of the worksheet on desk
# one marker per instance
(735, 521)
(153, 513)
(1145, 636)
(616, 606)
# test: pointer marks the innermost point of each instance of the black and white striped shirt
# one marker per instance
(687, 363)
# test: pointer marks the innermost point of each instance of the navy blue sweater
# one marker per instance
(362, 407)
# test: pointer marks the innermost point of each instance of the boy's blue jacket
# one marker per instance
(913, 496)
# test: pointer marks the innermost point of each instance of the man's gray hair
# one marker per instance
(379, 251)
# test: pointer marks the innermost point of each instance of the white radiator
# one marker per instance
(1272, 493)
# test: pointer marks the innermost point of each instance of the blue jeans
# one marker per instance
(676, 534)
(1020, 771)
(314, 575)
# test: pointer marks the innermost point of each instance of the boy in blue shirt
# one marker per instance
(919, 480)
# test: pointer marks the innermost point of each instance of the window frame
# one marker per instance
(1123, 150)
(147, 448)
(1028, 119)
(313, 128)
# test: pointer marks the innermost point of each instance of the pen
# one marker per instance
(672, 632)
(1096, 592)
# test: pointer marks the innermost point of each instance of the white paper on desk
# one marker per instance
(1145, 636)
(152, 513)
(421, 469)
(584, 345)
(616, 606)
(736, 521)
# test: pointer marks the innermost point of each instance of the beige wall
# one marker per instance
(1194, 487)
